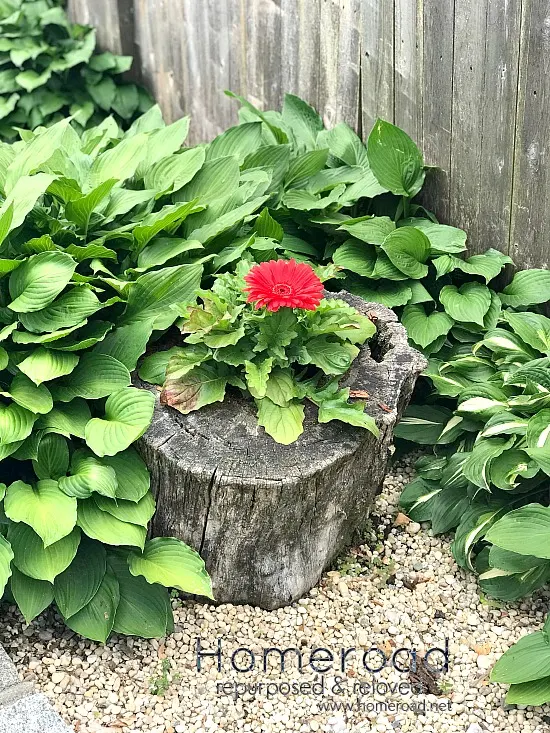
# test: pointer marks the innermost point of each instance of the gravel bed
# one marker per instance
(401, 589)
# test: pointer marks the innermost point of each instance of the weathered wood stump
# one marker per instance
(269, 518)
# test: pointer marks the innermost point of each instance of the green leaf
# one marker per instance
(212, 182)
(303, 120)
(163, 249)
(102, 526)
(423, 424)
(34, 398)
(524, 531)
(88, 474)
(257, 375)
(80, 210)
(332, 357)
(154, 292)
(144, 610)
(276, 332)
(174, 171)
(528, 287)
(43, 507)
(131, 473)
(408, 249)
(418, 499)
(6, 556)
(67, 420)
(140, 512)
(75, 587)
(395, 160)
(126, 343)
(305, 166)
(423, 329)
(535, 692)
(168, 218)
(468, 303)
(153, 368)
(226, 221)
(284, 424)
(170, 562)
(37, 561)
(237, 141)
(356, 256)
(486, 265)
(198, 387)
(32, 596)
(533, 328)
(95, 621)
(70, 309)
(16, 423)
(390, 294)
(128, 414)
(528, 659)
(39, 281)
(119, 162)
(43, 365)
(352, 414)
(95, 376)
(281, 387)
(372, 230)
(52, 458)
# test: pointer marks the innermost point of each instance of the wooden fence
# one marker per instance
(467, 79)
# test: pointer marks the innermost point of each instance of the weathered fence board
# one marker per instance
(468, 80)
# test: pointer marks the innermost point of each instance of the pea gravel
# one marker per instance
(401, 589)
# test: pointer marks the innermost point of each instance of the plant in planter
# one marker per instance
(292, 346)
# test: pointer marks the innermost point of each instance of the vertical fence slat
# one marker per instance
(530, 231)
(377, 52)
(408, 67)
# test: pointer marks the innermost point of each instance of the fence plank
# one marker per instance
(531, 192)
(377, 49)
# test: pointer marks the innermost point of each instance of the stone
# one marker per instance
(269, 518)
(31, 714)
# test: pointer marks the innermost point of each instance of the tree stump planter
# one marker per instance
(269, 518)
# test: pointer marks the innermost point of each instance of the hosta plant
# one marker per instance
(50, 68)
(267, 331)
(81, 292)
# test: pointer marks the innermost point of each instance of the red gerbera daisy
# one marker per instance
(283, 284)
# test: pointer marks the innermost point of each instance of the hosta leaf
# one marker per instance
(201, 386)
(423, 329)
(391, 294)
(43, 507)
(6, 556)
(418, 499)
(140, 512)
(132, 474)
(43, 365)
(541, 456)
(423, 424)
(70, 309)
(32, 596)
(468, 303)
(535, 692)
(16, 423)
(119, 162)
(373, 230)
(96, 619)
(102, 526)
(448, 507)
(80, 210)
(408, 249)
(52, 457)
(88, 474)
(356, 256)
(39, 281)
(524, 531)
(533, 328)
(37, 561)
(528, 659)
(284, 424)
(212, 182)
(154, 292)
(163, 249)
(67, 420)
(538, 430)
(486, 265)
(529, 287)
(153, 368)
(226, 221)
(76, 586)
(128, 413)
(175, 171)
(237, 141)
(95, 376)
(126, 343)
(34, 398)
(170, 562)
(144, 610)
(506, 469)
(395, 160)
(167, 219)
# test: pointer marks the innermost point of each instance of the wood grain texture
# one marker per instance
(268, 518)
(467, 79)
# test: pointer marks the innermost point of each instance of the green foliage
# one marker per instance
(76, 312)
(279, 358)
(51, 69)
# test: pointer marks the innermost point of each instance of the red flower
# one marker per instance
(283, 284)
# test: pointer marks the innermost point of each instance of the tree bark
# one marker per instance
(269, 518)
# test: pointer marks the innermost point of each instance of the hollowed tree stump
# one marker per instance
(269, 518)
